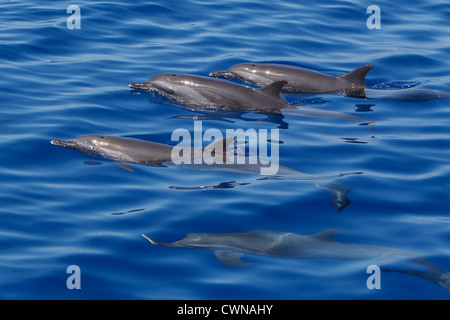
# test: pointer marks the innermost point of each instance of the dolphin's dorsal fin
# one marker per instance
(218, 149)
(231, 258)
(357, 76)
(327, 235)
(273, 89)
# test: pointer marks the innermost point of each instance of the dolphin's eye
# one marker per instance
(174, 75)
(102, 137)
(253, 65)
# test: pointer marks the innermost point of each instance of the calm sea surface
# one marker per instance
(60, 207)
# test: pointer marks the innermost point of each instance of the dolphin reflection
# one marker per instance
(230, 247)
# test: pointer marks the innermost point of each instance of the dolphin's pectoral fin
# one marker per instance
(231, 258)
(273, 89)
(123, 166)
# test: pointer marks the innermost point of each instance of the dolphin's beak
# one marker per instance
(140, 86)
(158, 243)
(219, 74)
(62, 143)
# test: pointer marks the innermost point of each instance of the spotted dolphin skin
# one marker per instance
(230, 247)
(298, 79)
(197, 91)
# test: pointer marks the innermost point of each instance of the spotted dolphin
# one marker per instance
(196, 92)
(298, 79)
(125, 151)
(137, 151)
(301, 80)
(144, 152)
(230, 247)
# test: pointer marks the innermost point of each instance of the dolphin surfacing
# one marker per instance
(137, 151)
(197, 92)
(299, 80)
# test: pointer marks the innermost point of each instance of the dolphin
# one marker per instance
(144, 152)
(136, 151)
(230, 247)
(299, 80)
(125, 151)
(196, 92)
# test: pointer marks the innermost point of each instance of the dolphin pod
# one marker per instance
(199, 93)
(230, 247)
(204, 92)
(301, 80)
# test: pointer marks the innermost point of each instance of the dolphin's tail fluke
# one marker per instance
(432, 273)
(357, 76)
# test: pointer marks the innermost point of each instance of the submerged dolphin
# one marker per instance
(230, 247)
(204, 92)
(298, 79)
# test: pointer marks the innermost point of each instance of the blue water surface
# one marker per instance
(61, 208)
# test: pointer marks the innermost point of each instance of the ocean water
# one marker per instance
(61, 208)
